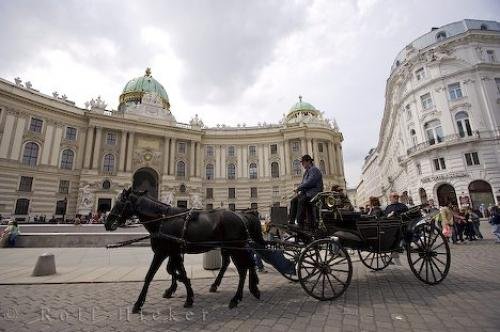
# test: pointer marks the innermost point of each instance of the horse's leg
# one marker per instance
(173, 287)
(179, 266)
(239, 261)
(225, 263)
(155, 265)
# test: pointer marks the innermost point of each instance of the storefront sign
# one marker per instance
(440, 177)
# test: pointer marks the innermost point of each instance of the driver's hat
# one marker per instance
(306, 157)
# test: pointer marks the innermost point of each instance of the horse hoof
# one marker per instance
(188, 304)
(167, 294)
(256, 294)
(136, 309)
(233, 304)
(213, 289)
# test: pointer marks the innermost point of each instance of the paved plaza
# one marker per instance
(389, 300)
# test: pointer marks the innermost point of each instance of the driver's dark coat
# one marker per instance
(312, 182)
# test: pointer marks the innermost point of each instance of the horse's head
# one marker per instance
(123, 209)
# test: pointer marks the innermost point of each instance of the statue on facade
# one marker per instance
(196, 202)
(170, 198)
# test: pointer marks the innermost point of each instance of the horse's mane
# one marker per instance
(152, 203)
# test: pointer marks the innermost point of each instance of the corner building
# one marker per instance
(440, 133)
(59, 159)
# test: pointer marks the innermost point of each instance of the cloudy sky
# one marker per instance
(228, 61)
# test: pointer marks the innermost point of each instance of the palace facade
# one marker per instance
(59, 159)
(440, 133)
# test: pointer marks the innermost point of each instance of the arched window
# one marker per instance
(413, 135)
(322, 166)
(106, 184)
(231, 171)
(209, 172)
(463, 124)
(30, 155)
(275, 170)
(67, 159)
(296, 167)
(252, 171)
(109, 163)
(230, 151)
(434, 131)
(210, 151)
(22, 206)
(181, 169)
(441, 35)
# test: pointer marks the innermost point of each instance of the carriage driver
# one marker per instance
(312, 184)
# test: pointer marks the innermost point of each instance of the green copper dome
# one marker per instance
(302, 106)
(135, 89)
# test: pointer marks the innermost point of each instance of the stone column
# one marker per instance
(244, 158)
(331, 164)
(240, 161)
(130, 151)
(223, 172)
(18, 138)
(199, 159)
(81, 138)
(7, 135)
(56, 145)
(303, 147)
(123, 146)
(266, 160)
(166, 152)
(217, 161)
(97, 149)
(282, 159)
(88, 147)
(288, 165)
(310, 148)
(260, 153)
(192, 161)
(172, 156)
(340, 159)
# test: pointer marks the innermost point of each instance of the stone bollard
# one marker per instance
(212, 260)
(45, 265)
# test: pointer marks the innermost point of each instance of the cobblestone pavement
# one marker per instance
(389, 300)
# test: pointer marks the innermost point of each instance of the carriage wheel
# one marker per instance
(293, 255)
(325, 269)
(429, 254)
(375, 261)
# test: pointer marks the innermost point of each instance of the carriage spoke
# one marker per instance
(421, 266)
(442, 244)
(315, 284)
(337, 270)
(338, 280)
(331, 285)
(323, 284)
(338, 262)
(432, 270)
(435, 265)
(440, 261)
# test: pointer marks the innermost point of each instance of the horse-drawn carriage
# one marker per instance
(317, 257)
(323, 265)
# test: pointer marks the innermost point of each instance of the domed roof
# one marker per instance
(136, 88)
(302, 110)
(302, 106)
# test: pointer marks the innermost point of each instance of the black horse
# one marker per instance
(173, 236)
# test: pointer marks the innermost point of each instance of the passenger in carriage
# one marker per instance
(346, 203)
(396, 208)
(312, 184)
(375, 210)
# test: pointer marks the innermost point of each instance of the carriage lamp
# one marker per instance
(330, 201)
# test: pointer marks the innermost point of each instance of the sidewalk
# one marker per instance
(80, 265)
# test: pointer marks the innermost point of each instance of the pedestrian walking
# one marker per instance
(446, 217)
(9, 235)
(495, 223)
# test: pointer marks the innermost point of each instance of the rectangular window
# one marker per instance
(36, 125)
(210, 151)
(25, 183)
(252, 151)
(231, 193)
(61, 207)
(253, 192)
(210, 193)
(276, 192)
(22, 206)
(232, 206)
(254, 206)
(70, 133)
(426, 101)
(472, 158)
(230, 151)
(111, 138)
(490, 55)
(455, 91)
(63, 186)
(295, 146)
(181, 147)
(210, 206)
(407, 110)
(439, 164)
(320, 147)
(274, 149)
(420, 74)
(419, 169)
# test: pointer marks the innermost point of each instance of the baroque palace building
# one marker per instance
(59, 159)
(440, 133)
